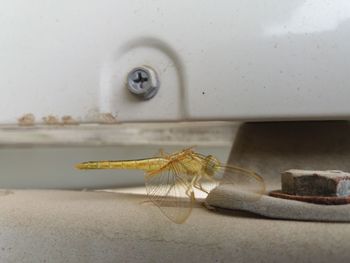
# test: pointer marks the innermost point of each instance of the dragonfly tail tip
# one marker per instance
(80, 166)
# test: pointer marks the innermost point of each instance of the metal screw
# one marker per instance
(143, 82)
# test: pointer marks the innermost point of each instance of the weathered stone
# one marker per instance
(271, 147)
(272, 207)
(316, 183)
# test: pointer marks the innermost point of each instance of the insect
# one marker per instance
(170, 179)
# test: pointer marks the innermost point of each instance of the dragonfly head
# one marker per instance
(212, 165)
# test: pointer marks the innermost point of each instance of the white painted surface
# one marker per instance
(229, 60)
(126, 134)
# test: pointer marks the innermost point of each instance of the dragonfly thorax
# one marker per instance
(212, 165)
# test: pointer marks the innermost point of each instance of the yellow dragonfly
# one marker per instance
(170, 179)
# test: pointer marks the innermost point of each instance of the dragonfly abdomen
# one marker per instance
(151, 164)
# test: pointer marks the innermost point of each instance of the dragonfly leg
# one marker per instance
(188, 191)
(198, 185)
(190, 187)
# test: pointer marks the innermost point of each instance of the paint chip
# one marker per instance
(51, 120)
(107, 118)
(68, 120)
(26, 120)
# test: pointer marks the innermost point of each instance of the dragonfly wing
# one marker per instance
(206, 183)
(171, 191)
(246, 183)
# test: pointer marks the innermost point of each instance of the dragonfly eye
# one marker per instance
(211, 165)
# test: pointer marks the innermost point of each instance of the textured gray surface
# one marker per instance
(271, 148)
(72, 226)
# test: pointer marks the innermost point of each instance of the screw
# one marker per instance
(143, 82)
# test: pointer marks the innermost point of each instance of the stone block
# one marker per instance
(316, 183)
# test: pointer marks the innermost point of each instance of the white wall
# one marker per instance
(262, 60)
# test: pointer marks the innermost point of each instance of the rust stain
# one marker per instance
(68, 120)
(51, 120)
(26, 120)
(107, 118)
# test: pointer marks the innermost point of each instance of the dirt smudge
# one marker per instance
(51, 120)
(107, 118)
(26, 120)
(68, 120)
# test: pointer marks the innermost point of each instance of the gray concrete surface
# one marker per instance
(75, 226)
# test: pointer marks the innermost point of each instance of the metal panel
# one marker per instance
(258, 60)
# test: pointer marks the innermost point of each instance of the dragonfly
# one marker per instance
(171, 179)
